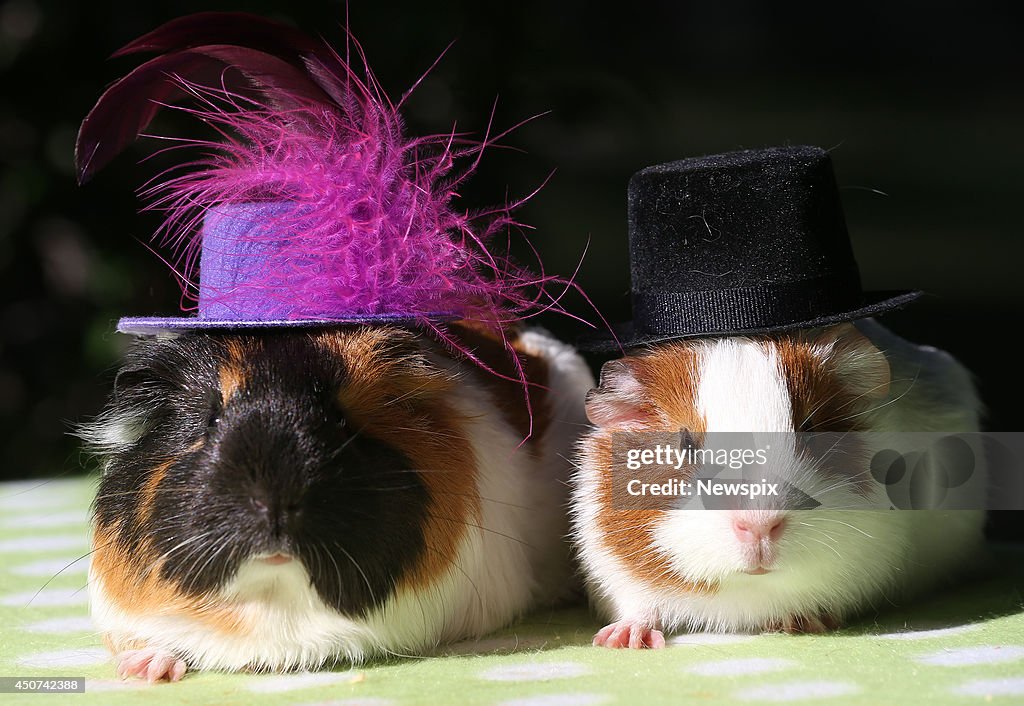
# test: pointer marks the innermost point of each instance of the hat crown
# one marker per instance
(749, 242)
(739, 219)
(236, 246)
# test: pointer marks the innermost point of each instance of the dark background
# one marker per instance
(921, 102)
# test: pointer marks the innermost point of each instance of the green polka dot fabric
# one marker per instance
(961, 647)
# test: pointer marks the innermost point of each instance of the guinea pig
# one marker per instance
(657, 569)
(288, 499)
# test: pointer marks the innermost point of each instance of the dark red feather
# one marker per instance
(238, 28)
(127, 107)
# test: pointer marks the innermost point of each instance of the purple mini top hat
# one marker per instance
(315, 208)
(240, 245)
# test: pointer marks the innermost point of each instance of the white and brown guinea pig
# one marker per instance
(651, 571)
(288, 499)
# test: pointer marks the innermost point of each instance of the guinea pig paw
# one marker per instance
(150, 664)
(633, 634)
(807, 624)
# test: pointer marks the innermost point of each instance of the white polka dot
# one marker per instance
(1007, 686)
(45, 544)
(16, 487)
(304, 680)
(709, 638)
(365, 701)
(38, 494)
(495, 644)
(46, 597)
(53, 567)
(559, 700)
(76, 623)
(968, 656)
(793, 691)
(84, 657)
(537, 671)
(736, 667)
(50, 519)
(99, 685)
(928, 634)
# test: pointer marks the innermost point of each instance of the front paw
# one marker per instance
(633, 634)
(150, 664)
(808, 624)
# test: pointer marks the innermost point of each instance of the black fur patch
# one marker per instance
(277, 468)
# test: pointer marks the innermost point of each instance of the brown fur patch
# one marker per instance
(505, 389)
(820, 401)
(392, 393)
(668, 374)
(824, 408)
(833, 375)
(132, 583)
(232, 369)
(148, 493)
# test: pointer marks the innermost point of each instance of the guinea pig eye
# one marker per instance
(686, 439)
(340, 422)
(213, 415)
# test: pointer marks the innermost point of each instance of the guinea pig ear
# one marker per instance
(620, 399)
(858, 363)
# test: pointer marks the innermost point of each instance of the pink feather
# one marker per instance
(376, 226)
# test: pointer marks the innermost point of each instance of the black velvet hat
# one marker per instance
(740, 243)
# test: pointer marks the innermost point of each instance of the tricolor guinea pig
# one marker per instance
(290, 498)
(651, 571)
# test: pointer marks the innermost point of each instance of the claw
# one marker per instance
(153, 665)
(629, 633)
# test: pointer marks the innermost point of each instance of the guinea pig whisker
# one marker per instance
(419, 430)
(362, 573)
(327, 551)
(408, 394)
(831, 397)
(819, 407)
(847, 524)
(397, 471)
(110, 495)
(476, 589)
(317, 560)
(874, 409)
(355, 435)
(820, 531)
(479, 527)
(166, 555)
(384, 489)
(66, 566)
(841, 437)
(218, 548)
(145, 570)
(826, 544)
(485, 499)
(839, 484)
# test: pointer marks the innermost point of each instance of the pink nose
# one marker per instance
(751, 530)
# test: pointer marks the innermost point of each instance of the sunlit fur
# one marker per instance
(512, 558)
(830, 564)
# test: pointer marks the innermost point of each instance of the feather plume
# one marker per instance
(375, 228)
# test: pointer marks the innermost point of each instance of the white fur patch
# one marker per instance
(830, 562)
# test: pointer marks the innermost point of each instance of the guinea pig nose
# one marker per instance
(750, 529)
(259, 505)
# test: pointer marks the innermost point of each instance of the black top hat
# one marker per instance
(740, 243)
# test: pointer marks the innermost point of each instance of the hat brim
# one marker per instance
(625, 335)
(151, 326)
